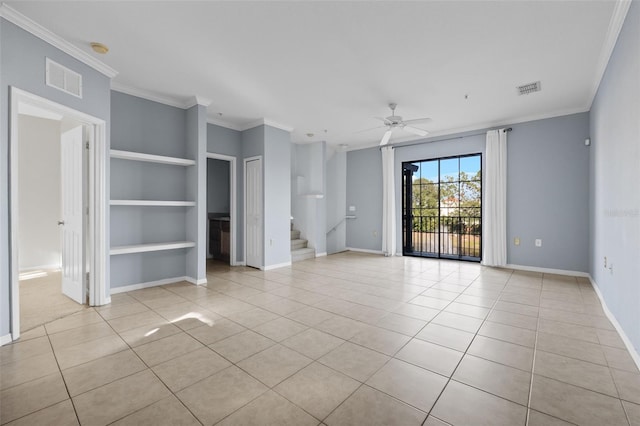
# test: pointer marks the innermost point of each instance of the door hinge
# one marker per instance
(87, 145)
(87, 210)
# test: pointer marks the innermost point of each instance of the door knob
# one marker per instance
(61, 222)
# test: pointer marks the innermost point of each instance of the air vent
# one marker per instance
(62, 78)
(525, 89)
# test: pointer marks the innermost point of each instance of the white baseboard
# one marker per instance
(276, 266)
(364, 250)
(54, 266)
(323, 254)
(201, 281)
(632, 350)
(6, 339)
(140, 286)
(546, 270)
(239, 263)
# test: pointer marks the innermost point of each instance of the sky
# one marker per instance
(448, 167)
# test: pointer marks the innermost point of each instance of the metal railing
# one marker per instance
(456, 236)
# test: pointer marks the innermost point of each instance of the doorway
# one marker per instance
(221, 212)
(253, 212)
(442, 208)
(74, 260)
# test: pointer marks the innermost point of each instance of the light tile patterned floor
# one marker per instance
(350, 339)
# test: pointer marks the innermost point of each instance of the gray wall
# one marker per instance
(277, 199)
(308, 165)
(336, 178)
(547, 189)
(22, 65)
(218, 194)
(364, 191)
(149, 127)
(221, 140)
(615, 174)
(548, 193)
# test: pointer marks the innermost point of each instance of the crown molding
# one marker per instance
(148, 95)
(266, 122)
(615, 26)
(197, 100)
(222, 123)
(434, 136)
(55, 40)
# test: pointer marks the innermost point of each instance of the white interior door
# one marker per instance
(253, 209)
(72, 222)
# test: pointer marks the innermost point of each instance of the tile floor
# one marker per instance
(349, 339)
(41, 299)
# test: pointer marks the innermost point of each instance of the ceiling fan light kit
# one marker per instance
(394, 122)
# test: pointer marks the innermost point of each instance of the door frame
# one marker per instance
(244, 209)
(96, 237)
(233, 195)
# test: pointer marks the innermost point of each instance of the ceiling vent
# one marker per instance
(62, 78)
(525, 89)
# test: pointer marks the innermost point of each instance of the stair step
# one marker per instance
(298, 244)
(302, 254)
(295, 234)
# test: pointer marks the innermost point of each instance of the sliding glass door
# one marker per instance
(442, 208)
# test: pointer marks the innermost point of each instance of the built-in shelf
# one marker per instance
(313, 195)
(142, 248)
(152, 203)
(138, 156)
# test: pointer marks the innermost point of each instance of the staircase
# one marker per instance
(299, 249)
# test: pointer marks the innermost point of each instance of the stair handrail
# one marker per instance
(340, 222)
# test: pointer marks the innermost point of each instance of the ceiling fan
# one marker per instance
(394, 122)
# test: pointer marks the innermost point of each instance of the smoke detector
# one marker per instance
(525, 89)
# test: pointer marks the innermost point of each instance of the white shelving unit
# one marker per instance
(141, 248)
(159, 159)
(149, 158)
(151, 203)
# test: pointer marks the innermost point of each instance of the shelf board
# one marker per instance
(313, 195)
(142, 248)
(152, 203)
(138, 156)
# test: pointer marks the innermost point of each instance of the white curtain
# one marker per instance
(494, 251)
(388, 203)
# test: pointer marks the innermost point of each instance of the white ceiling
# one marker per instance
(335, 65)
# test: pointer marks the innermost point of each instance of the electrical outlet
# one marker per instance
(516, 241)
(375, 233)
(352, 208)
(538, 242)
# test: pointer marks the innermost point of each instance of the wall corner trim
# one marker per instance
(632, 350)
(6, 339)
(55, 40)
(194, 281)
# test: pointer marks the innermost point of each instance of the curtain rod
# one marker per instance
(508, 129)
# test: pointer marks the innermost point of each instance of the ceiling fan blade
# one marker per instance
(384, 120)
(386, 137)
(418, 120)
(416, 131)
(369, 129)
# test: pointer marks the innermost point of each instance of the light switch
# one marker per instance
(538, 242)
(516, 241)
